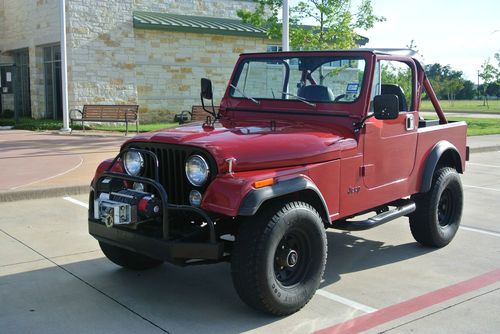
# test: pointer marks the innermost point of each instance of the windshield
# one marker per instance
(307, 79)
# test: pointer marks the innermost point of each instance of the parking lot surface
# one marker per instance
(54, 278)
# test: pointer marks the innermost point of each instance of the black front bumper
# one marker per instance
(163, 248)
(156, 248)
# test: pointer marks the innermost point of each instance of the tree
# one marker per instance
(489, 74)
(446, 81)
(497, 57)
(334, 23)
(467, 92)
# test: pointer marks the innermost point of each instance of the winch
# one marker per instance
(125, 207)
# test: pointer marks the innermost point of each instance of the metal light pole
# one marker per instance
(64, 69)
(285, 36)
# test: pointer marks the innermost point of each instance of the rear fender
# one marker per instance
(443, 152)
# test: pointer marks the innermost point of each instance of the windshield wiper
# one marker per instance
(300, 98)
(243, 94)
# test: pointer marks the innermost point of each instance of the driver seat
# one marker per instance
(316, 93)
(395, 90)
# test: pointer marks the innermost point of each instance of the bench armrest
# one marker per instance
(72, 114)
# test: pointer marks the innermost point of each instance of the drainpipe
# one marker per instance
(64, 69)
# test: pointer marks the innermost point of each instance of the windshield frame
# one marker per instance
(282, 59)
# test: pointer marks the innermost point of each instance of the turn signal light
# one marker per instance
(264, 183)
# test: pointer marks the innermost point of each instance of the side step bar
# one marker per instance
(403, 209)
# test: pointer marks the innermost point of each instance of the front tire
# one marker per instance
(279, 257)
(439, 211)
(128, 259)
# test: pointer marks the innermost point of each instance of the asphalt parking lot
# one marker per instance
(54, 278)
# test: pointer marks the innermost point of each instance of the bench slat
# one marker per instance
(109, 113)
(198, 114)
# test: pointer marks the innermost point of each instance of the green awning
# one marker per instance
(196, 24)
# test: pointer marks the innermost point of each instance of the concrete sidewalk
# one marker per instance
(47, 164)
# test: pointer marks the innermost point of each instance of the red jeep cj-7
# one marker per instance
(301, 142)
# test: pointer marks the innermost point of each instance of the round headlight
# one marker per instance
(133, 162)
(197, 170)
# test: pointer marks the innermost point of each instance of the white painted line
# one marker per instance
(75, 201)
(345, 301)
(472, 229)
(50, 177)
(482, 165)
(482, 188)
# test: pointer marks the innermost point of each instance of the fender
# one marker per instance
(254, 199)
(432, 160)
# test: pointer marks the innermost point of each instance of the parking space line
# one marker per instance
(345, 301)
(482, 188)
(102, 292)
(75, 201)
(396, 311)
(480, 230)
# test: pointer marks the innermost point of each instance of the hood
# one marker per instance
(256, 146)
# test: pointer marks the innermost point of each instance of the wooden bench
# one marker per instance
(197, 114)
(107, 113)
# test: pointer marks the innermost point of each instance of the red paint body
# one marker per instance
(293, 139)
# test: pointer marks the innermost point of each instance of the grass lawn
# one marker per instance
(50, 124)
(464, 105)
(477, 126)
(480, 126)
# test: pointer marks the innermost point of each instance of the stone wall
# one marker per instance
(30, 24)
(169, 66)
(27, 23)
(110, 62)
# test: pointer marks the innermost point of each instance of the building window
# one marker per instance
(274, 48)
(53, 86)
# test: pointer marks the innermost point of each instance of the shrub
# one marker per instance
(7, 113)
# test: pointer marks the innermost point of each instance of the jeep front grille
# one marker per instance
(172, 159)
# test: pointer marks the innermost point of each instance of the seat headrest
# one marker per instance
(316, 93)
(398, 91)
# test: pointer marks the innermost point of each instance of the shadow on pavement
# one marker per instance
(348, 253)
(179, 300)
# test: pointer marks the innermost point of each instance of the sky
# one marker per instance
(460, 33)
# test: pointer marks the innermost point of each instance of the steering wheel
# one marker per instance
(340, 97)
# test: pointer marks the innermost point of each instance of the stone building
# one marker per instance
(146, 52)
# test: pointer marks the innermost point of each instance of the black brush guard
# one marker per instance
(163, 248)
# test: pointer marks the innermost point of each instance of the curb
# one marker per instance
(485, 149)
(12, 196)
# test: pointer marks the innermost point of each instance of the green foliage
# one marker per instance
(334, 22)
(446, 81)
(489, 73)
(51, 124)
(471, 106)
(7, 113)
(467, 92)
(400, 75)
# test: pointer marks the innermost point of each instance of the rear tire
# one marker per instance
(128, 259)
(279, 257)
(439, 211)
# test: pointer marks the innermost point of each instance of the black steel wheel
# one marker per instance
(439, 211)
(279, 257)
(128, 259)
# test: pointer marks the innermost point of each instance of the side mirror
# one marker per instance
(206, 89)
(386, 106)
